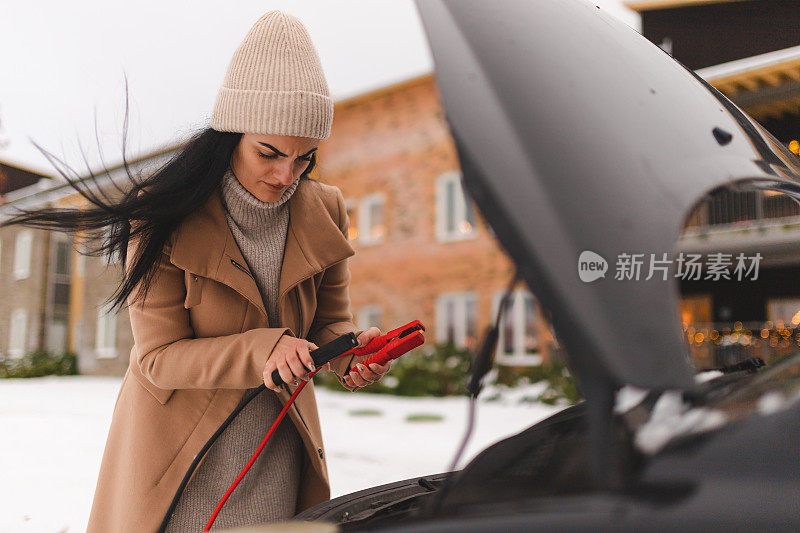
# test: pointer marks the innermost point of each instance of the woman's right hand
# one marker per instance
(292, 360)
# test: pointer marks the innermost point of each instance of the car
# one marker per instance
(577, 135)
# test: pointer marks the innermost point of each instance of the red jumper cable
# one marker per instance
(385, 348)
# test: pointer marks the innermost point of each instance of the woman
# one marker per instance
(235, 266)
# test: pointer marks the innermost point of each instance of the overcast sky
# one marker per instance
(63, 66)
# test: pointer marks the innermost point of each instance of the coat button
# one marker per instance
(194, 278)
(319, 451)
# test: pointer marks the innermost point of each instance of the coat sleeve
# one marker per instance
(333, 317)
(169, 356)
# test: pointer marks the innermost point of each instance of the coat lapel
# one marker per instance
(204, 245)
(313, 242)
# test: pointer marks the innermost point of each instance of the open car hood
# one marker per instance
(575, 133)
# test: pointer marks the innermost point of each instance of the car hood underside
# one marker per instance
(577, 134)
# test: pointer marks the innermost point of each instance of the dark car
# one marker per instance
(575, 134)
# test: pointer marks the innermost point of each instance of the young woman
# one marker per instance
(236, 265)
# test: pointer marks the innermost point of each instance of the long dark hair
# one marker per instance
(151, 209)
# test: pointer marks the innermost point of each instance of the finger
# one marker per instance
(296, 366)
(380, 369)
(349, 383)
(357, 379)
(367, 335)
(305, 357)
(312, 346)
(285, 372)
(267, 376)
(367, 374)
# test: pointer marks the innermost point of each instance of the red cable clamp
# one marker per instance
(391, 345)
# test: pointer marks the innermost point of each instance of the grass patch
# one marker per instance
(424, 417)
(364, 412)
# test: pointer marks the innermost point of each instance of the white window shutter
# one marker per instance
(441, 206)
(22, 254)
(18, 333)
(105, 334)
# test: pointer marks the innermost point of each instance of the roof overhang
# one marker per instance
(47, 191)
(764, 85)
(652, 5)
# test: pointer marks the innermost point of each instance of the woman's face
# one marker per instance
(267, 164)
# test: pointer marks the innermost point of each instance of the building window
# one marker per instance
(372, 219)
(60, 273)
(518, 341)
(17, 333)
(457, 319)
(786, 310)
(369, 316)
(22, 254)
(455, 217)
(57, 311)
(105, 338)
(352, 232)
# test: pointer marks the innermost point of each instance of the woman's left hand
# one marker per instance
(360, 375)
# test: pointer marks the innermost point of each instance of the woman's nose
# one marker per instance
(284, 174)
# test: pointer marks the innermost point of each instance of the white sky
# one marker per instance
(62, 66)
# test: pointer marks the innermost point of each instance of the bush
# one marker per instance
(38, 363)
(438, 371)
(561, 384)
(443, 370)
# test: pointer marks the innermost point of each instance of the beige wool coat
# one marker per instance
(202, 338)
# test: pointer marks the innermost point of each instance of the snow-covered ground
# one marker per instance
(53, 429)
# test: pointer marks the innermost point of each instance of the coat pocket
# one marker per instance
(194, 289)
(161, 395)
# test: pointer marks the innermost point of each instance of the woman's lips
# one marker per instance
(274, 187)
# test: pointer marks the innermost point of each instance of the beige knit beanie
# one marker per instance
(275, 84)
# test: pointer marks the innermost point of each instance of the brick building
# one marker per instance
(23, 289)
(52, 297)
(24, 258)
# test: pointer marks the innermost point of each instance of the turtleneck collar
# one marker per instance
(251, 214)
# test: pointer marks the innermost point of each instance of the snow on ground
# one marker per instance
(53, 429)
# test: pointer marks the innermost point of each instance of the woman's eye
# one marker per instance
(302, 160)
(267, 156)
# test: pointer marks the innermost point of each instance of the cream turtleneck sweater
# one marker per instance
(259, 229)
(269, 490)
